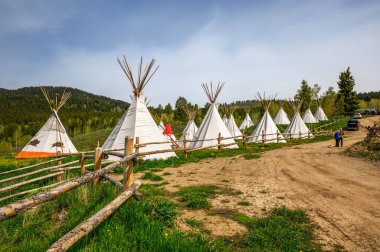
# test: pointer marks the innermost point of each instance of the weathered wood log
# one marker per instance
(156, 152)
(18, 185)
(117, 154)
(36, 172)
(98, 163)
(31, 166)
(80, 166)
(87, 226)
(29, 191)
(118, 184)
(232, 137)
(15, 208)
(219, 141)
(138, 196)
(59, 162)
(72, 154)
(115, 149)
(128, 166)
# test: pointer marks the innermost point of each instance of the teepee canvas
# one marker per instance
(212, 124)
(137, 121)
(297, 127)
(247, 122)
(308, 117)
(231, 124)
(281, 117)
(266, 125)
(225, 119)
(320, 114)
(190, 128)
(52, 137)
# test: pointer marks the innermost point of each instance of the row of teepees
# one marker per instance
(138, 122)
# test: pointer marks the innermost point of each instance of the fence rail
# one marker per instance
(130, 153)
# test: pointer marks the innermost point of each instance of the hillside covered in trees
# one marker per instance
(23, 111)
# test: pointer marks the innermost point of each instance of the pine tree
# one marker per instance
(346, 94)
(304, 93)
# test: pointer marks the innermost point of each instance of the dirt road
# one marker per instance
(341, 194)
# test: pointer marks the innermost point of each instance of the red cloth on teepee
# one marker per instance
(168, 130)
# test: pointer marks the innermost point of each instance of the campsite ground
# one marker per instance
(341, 194)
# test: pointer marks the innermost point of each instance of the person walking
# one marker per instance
(337, 138)
(341, 137)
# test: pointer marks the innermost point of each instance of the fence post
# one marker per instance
(97, 162)
(219, 141)
(82, 168)
(277, 136)
(128, 167)
(243, 140)
(137, 148)
(184, 146)
(263, 136)
(59, 162)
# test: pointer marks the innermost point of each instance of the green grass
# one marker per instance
(151, 176)
(195, 197)
(90, 140)
(194, 223)
(282, 230)
(244, 203)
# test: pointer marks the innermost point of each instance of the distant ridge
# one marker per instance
(26, 109)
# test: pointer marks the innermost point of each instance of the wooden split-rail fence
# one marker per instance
(129, 187)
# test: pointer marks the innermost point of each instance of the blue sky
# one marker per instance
(251, 45)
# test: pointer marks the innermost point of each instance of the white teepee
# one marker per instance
(247, 122)
(320, 114)
(137, 121)
(297, 126)
(225, 120)
(266, 125)
(281, 117)
(308, 117)
(52, 137)
(212, 124)
(231, 124)
(191, 128)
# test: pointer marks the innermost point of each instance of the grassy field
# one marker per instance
(149, 225)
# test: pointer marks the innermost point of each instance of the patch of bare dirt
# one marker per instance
(341, 194)
(214, 224)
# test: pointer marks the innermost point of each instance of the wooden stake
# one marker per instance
(243, 140)
(128, 167)
(137, 148)
(308, 134)
(300, 136)
(98, 163)
(59, 162)
(263, 136)
(82, 167)
(219, 141)
(184, 146)
(278, 136)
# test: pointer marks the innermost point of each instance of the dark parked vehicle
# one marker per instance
(353, 125)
